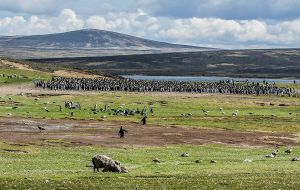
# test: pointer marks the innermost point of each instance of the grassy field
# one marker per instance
(168, 109)
(65, 168)
(23, 76)
(33, 166)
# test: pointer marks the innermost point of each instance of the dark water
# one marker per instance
(206, 79)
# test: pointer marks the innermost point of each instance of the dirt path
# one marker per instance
(89, 132)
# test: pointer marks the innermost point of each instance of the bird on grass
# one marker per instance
(41, 128)
(289, 150)
(205, 111)
(275, 152)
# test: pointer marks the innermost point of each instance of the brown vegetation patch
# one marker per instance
(91, 132)
(74, 74)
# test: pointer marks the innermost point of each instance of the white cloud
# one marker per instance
(229, 32)
(68, 20)
(96, 22)
(197, 31)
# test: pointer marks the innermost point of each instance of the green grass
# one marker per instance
(64, 168)
(23, 76)
(60, 167)
(168, 109)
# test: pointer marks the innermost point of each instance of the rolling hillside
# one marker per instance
(276, 63)
(87, 42)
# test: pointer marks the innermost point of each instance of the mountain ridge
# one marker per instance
(88, 39)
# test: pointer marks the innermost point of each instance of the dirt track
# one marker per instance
(88, 132)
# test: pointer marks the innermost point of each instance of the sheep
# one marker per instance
(108, 164)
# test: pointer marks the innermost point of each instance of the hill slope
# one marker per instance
(274, 63)
(86, 39)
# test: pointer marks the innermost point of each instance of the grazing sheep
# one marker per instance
(296, 159)
(112, 167)
(124, 169)
(108, 164)
(156, 160)
(100, 161)
(213, 161)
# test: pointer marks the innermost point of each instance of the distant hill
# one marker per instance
(87, 39)
(273, 63)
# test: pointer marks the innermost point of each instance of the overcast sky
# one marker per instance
(215, 23)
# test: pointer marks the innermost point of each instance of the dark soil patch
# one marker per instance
(15, 151)
(89, 132)
(44, 95)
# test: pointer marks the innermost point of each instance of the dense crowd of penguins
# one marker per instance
(130, 85)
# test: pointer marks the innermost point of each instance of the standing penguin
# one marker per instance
(144, 120)
(122, 132)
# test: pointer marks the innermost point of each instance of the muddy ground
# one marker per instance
(67, 132)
